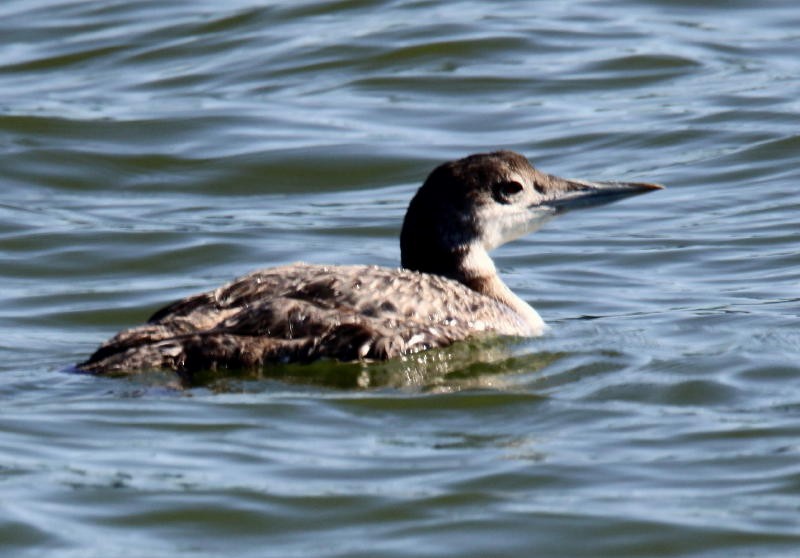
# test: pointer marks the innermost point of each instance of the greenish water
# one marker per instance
(153, 149)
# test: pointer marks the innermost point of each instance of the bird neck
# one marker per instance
(428, 248)
(477, 271)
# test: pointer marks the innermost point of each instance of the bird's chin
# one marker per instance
(502, 229)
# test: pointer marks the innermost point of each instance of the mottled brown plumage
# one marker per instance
(301, 313)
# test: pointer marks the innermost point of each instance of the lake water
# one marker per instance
(154, 149)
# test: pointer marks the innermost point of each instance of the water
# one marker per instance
(154, 149)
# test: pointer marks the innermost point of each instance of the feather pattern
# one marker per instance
(301, 313)
(448, 289)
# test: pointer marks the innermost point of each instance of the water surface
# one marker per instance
(152, 149)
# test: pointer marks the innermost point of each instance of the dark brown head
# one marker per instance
(485, 200)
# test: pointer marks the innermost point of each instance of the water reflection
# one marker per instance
(479, 364)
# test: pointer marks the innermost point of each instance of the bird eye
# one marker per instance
(505, 191)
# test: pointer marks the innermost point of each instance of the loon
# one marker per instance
(446, 291)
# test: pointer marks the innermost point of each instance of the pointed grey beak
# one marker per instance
(575, 194)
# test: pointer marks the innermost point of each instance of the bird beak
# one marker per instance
(555, 196)
(565, 194)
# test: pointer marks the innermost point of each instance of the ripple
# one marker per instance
(153, 150)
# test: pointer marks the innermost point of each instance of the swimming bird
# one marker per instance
(447, 289)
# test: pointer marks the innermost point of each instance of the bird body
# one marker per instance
(448, 289)
(302, 312)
